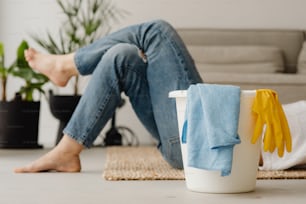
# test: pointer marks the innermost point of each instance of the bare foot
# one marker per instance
(63, 158)
(53, 161)
(58, 68)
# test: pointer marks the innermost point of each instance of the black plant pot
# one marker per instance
(19, 124)
(62, 108)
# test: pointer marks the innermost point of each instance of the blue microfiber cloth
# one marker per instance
(211, 126)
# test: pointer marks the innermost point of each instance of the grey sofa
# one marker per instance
(251, 59)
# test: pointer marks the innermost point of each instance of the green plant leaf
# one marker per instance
(26, 74)
(1, 49)
(85, 21)
(33, 80)
(53, 43)
(1, 55)
(21, 62)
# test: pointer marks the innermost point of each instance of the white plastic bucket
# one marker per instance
(245, 155)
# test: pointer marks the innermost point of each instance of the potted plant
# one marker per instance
(85, 22)
(19, 118)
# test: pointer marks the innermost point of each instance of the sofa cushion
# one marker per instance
(289, 41)
(302, 60)
(243, 59)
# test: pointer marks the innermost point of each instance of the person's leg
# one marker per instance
(60, 68)
(65, 156)
(122, 68)
(169, 68)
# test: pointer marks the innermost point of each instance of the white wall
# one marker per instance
(18, 18)
(220, 13)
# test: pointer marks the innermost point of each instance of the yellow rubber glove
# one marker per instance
(269, 113)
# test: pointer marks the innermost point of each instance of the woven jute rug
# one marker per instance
(138, 163)
(284, 174)
(146, 163)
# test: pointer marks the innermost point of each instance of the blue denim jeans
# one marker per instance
(146, 62)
